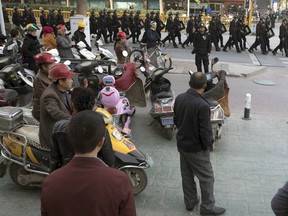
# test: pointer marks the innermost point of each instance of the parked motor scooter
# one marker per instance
(28, 162)
(16, 86)
(162, 99)
(116, 104)
(217, 96)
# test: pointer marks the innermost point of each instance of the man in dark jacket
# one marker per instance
(31, 47)
(194, 137)
(59, 17)
(153, 39)
(86, 186)
(62, 151)
(17, 20)
(202, 47)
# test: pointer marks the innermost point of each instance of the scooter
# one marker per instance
(16, 86)
(116, 104)
(217, 96)
(162, 99)
(28, 162)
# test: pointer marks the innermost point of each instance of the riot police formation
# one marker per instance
(261, 31)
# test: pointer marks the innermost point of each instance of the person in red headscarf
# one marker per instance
(48, 38)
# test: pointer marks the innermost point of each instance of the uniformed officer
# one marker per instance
(132, 27)
(283, 36)
(260, 40)
(6, 20)
(190, 30)
(109, 26)
(178, 26)
(93, 23)
(233, 38)
(59, 17)
(43, 21)
(202, 48)
(17, 20)
(125, 23)
(51, 20)
(116, 24)
(139, 24)
(147, 22)
(30, 18)
(170, 28)
(102, 26)
(213, 32)
(160, 24)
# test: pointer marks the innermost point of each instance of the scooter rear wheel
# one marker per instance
(14, 171)
(168, 133)
(138, 179)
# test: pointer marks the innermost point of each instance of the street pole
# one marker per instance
(188, 7)
(161, 7)
(2, 20)
(250, 12)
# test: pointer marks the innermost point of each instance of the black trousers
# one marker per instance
(279, 202)
(199, 165)
(199, 58)
(170, 36)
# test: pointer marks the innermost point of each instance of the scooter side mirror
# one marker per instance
(125, 53)
(214, 61)
(100, 69)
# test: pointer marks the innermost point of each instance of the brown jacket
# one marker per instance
(41, 82)
(86, 186)
(53, 107)
(119, 48)
(49, 41)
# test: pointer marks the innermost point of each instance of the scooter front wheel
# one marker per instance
(14, 171)
(137, 57)
(138, 179)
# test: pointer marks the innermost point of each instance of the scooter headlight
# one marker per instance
(116, 133)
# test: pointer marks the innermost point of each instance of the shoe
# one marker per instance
(163, 44)
(175, 46)
(222, 45)
(215, 211)
(193, 205)
(269, 50)
(180, 43)
(243, 49)
(224, 50)
(265, 53)
(250, 50)
(274, 53)
(183, 46)
(218, 49)
(238, 51)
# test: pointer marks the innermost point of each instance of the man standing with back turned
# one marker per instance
(86, 185)
(194, 136)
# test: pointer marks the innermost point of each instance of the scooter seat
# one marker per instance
(31, 132)
(212, 103)
(162, 94)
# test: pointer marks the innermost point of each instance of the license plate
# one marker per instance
(167, 121)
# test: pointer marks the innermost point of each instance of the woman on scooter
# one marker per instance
(64, 44)
(41, 81)
(31, 47)
(48, 38)
(120, 45)
(79, 35)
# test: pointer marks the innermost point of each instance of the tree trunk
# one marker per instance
(81, 7)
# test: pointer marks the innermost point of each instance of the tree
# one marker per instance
(81, 7)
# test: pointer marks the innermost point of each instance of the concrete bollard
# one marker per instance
(247, 107)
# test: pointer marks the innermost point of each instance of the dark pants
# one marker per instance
(199, 165)
(199, 58)
(170, 36)
(279, 203)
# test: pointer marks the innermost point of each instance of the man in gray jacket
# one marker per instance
(64, 44)
(55, 102)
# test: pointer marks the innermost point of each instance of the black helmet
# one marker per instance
(284, 19)
(15, 8)
(42, 11)
(235, 17)
(138, 12)
(261, 17)
(115, 11)
(152, 12)
(59, 9)
(170, 14)
(201, 25)
(125, 11)
(177, 13)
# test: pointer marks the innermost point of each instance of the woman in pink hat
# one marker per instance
(48, 38)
